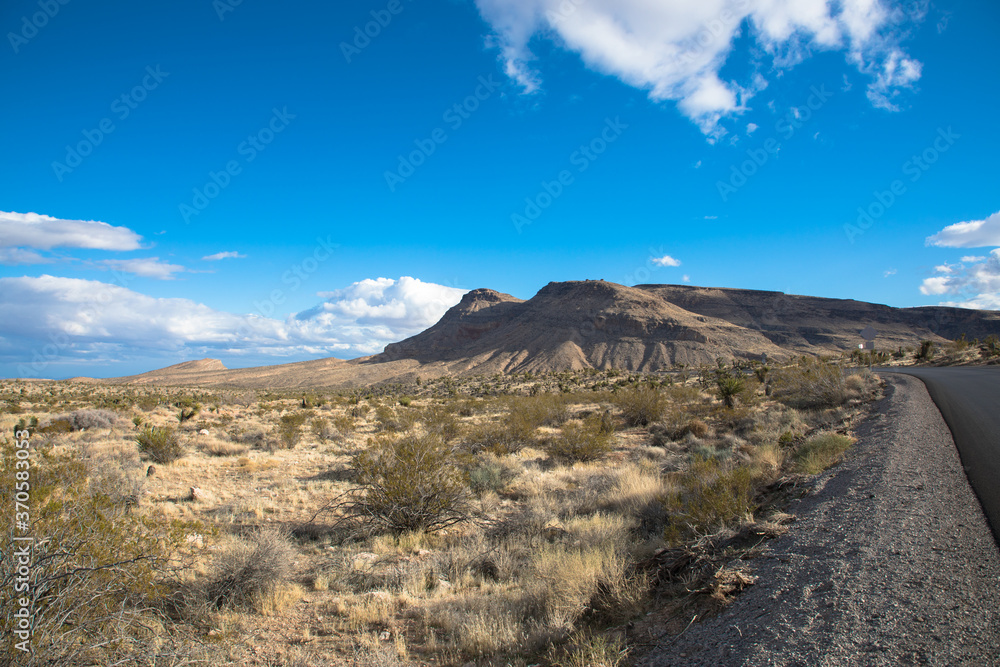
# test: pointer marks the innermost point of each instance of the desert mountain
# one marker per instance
(597, 324)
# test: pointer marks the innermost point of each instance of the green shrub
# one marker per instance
(321, 429)
(160, 444)
(344, 424)
(290, 429)
(405, 401)
(500, 438)
(640, 406)
(580, 441)
(926, 351)
(820, 452)
(413, 483)
(490, 474)
(712, 495)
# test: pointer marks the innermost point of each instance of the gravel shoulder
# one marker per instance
(890, 562)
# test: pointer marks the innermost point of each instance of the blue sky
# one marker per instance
(265, 182)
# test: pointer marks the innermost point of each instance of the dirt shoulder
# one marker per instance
(890, 562)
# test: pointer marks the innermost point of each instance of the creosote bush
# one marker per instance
(160, 444)
(580, 441)
(290, 429)
(640, 406)
(411, 483)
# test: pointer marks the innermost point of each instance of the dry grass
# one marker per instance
(564, 508)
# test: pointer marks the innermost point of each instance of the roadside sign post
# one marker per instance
(869, 334)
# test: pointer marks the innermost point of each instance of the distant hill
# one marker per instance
(597, 324)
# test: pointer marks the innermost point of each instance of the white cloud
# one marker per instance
(675, 49)
(230, 254)
(711, 217)
(970, 234)
(43, 232)
(969, 259)
(666, 260)
(14, 256)
(405, 307)
(82, 320)
(751, 128)
(975, 284)
(889, 272)
(686, 278)
(146, 267)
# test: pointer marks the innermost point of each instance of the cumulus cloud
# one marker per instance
(666, 260)
(146, 267)
(976, 280)
(675, 49)
(977, 285)
(384, 309)
(51, 319)
(43, 232)
(969, 234)
(230, 254)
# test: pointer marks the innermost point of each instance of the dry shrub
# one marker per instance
(813, 384)
(580, 441)
(640, 406)
(253, 436)
(250, 569)
(820, 452)
(217, 447)
(95, 577)
(585, 649)
(84, 420)
(413, 483)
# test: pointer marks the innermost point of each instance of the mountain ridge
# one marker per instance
(597, 324)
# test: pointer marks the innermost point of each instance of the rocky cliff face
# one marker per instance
(577, 325)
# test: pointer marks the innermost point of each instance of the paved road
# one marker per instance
(969, 401)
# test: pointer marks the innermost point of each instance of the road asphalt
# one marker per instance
(969, 400)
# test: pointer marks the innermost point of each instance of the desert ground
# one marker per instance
(563, 519)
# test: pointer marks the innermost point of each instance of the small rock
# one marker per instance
(198, 495)
(150, 471)
(203, 431)
(385, 635)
